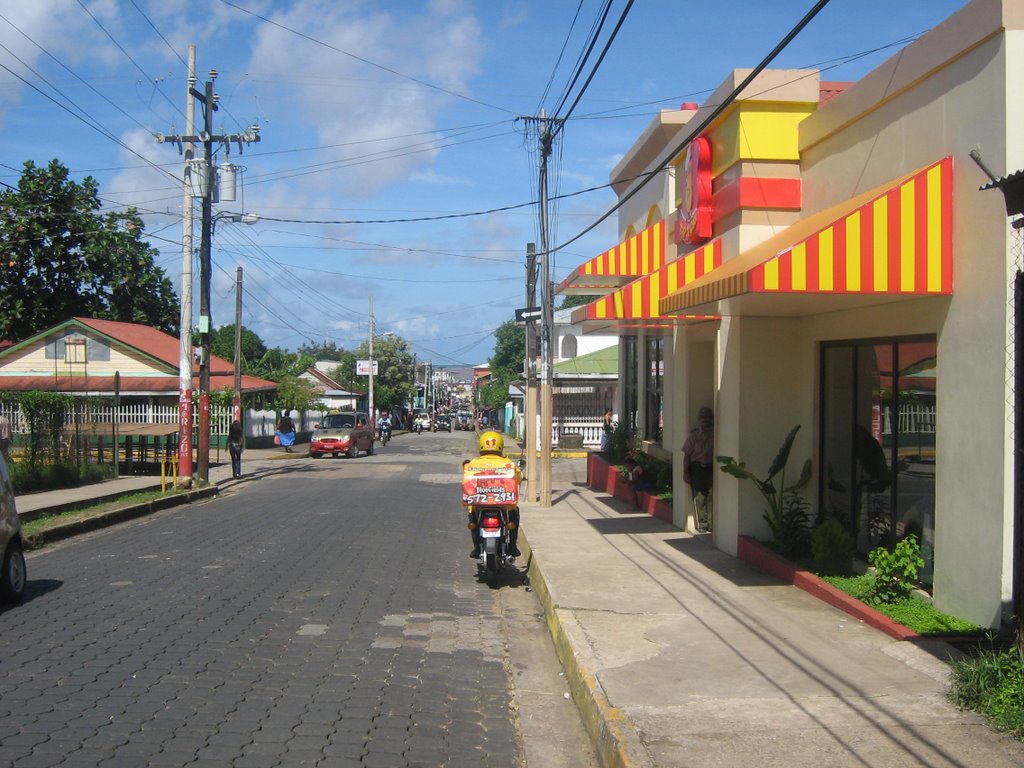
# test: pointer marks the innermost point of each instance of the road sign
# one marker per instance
(363, 367)
(528, 313)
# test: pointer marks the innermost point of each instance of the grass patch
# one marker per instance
(912, 612)
(35, 530)
(992, 684)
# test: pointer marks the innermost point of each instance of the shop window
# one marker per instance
(630, 379)
(878, 432)
(655, 388)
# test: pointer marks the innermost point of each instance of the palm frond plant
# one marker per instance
(787, 513)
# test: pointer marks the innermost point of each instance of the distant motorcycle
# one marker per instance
(385, 433)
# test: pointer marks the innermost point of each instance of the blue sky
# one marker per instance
(388, 110)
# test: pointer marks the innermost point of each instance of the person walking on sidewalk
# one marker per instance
(235, 440)
(5, 435)
(607, 428)
(286, 432)
(698, 467)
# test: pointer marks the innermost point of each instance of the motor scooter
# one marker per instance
(385, 434)
(490, 488)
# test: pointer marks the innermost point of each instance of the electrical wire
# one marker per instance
(395, 72)
(697, 130)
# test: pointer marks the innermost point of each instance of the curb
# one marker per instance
(611, 732)
(61, 532)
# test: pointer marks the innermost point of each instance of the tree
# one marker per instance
(276, 364)
(345, 372)
(296, 394)
(222, 344)
(60, 258)
(509, 352)
(326, 351)
(395, 382)
(568, 302)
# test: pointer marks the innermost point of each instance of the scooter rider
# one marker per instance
(492, 447)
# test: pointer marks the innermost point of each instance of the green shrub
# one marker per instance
(832, 548)
(993, 685)
(913, 612)
(896, 571)
(28, 478)
(620, 444)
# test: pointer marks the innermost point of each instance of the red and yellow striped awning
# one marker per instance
(895, 240)
(638, 301)
(634, 257)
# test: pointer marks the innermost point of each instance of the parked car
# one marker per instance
(442, 424)
(347, 432)
(13, 577)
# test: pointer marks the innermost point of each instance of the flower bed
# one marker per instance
(603, 476)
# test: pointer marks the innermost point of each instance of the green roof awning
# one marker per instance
(603, 362)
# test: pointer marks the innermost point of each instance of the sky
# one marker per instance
(396, 167)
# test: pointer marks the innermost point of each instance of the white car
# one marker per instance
(422, 421)
(13, 575)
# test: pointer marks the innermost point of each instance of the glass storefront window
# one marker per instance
(654, 389)
(630, 390)
(878, 442)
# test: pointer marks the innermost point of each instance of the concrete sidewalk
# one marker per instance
(680, 655)
(255, 461)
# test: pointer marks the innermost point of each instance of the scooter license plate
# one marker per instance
(490, 534)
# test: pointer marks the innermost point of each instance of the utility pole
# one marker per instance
(530, 430)
(546, 139)
(370, 405)
(236, 410)
(185, 321)
(207, 137)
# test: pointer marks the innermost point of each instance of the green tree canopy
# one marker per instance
(395, 382)
(60, 258)
(277, 364)
(568, 302)
(222, 344)
(509, 352)
(328, 350)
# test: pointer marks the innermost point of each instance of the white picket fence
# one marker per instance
(258, 423)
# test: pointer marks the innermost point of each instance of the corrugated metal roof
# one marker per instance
(603, 362)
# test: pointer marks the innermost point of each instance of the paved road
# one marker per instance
(325, 614)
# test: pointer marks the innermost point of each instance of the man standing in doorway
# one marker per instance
(698, 466)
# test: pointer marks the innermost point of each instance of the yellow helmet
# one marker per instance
(491, 442)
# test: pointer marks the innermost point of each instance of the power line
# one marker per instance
(395, 72)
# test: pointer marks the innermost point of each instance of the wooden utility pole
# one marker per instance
(530, 429)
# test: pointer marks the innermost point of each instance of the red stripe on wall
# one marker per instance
(867, 248)
(786, 272)
(839, 255)
(756, 279)
(813, 273)
(921, 233)
(893, 209)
